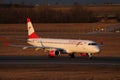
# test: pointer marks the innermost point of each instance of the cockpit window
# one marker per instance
(92, 44)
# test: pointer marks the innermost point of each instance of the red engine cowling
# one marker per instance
(83, 54)
(54, 53)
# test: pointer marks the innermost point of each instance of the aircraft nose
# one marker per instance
(97, 49)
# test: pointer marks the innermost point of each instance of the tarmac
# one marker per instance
(44, 60)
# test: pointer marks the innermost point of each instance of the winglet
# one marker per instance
(6, 43)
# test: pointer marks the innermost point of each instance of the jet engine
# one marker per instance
(86, 55)
(83, 54)
(54, 53)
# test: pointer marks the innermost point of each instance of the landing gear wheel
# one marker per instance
(72, 55)
(89, 56)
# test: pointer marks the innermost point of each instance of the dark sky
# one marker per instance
(61, 1)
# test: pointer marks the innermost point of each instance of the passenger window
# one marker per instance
(92, 44)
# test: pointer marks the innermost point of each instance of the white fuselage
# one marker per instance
(69, 45)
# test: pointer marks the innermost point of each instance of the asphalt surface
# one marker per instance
(58, 60)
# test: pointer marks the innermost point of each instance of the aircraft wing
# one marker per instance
(6, 43)
(36, 47)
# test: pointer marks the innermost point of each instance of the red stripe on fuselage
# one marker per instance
(34, 35)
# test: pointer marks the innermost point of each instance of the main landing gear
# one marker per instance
(72, 55)
(89, 55)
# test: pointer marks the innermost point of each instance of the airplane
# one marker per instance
(55, 47)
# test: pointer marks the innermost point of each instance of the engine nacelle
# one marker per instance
(54, 53)
(57, 52)
(83, 54)
(86, 55)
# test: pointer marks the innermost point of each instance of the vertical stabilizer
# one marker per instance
(31, 31)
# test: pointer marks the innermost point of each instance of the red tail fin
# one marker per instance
(31, 31)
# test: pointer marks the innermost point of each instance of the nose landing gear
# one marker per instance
(89, 55)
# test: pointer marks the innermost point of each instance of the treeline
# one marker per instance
(47, 14)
